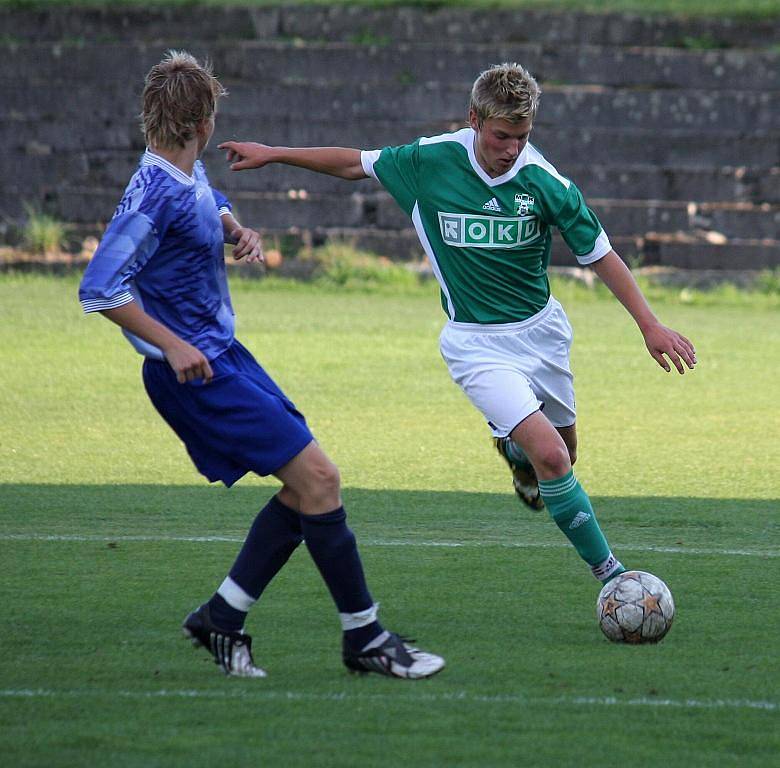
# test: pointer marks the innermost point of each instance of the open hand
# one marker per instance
(661, 341)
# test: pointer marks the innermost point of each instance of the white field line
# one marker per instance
(396, 543)
(423, 698)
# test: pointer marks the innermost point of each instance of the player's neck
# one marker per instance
(484, 166)
(182, 157)
(483, 163)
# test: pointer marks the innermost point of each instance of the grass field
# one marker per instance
(108, 537)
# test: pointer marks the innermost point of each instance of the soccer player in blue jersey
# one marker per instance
(484, 201)
(159, 273)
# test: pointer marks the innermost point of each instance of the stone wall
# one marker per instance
(669, 126)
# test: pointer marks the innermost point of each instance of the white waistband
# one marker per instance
(552, 303)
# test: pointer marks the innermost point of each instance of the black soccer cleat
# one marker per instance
(394, 658)
(231, 650)
(524, 478)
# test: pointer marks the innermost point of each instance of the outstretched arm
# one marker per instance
(659, 339)
(334, 161)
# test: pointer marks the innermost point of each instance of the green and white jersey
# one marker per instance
(488, 240)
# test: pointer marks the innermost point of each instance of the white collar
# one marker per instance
(470, 139)
(150, 158)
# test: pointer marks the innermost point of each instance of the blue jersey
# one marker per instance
(164, 249)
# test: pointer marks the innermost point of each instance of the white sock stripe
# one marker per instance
(553, 489)
(235, 596)
(607, 568)
(360, 619)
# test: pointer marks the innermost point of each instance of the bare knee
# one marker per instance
(327, 477)
(552, 461)
(313, 479)
(321, 488)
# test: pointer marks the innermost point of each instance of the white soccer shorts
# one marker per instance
(508, 371)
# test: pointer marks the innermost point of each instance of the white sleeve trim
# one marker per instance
(97, 305)
(367, 159)
(601, 249)
(224, 210)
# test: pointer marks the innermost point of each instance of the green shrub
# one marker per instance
(343, 265)
(43, 234)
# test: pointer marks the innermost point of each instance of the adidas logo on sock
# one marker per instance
(492, 205)
(579, 519)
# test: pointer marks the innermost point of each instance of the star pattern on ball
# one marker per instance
(635, 607)
(609, 606)
(650, 603)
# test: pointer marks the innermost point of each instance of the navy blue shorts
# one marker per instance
(237, 423)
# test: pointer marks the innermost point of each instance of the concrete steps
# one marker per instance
(587, 106)
(701, 236)
(382, 26)
(353, 64)
(565, 145)
(670, 126)
(101, 169)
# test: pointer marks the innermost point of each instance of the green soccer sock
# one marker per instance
(515, 453)
(571, 509)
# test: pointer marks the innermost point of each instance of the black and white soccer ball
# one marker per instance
(635, 607)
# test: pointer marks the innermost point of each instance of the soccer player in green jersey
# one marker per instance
(483, 201)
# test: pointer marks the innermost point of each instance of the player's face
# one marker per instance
(499, 142)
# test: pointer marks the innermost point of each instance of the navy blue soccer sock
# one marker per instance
(333, 548)
(273, 537)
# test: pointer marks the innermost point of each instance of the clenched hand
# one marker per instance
(247, 243)
(188, 363)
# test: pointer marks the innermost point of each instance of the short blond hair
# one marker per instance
(506, 91)
(179, 94)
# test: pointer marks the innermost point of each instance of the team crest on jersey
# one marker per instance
(524, 204)
(471, 231)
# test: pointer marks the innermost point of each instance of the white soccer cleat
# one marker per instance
(394, 658)
(231, 650)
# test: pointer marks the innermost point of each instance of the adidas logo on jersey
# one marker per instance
(492, 205)
(579, 519)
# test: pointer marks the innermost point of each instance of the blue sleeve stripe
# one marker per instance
(97, 305)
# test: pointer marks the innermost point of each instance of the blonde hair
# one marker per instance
(506, 91)
(179, 94)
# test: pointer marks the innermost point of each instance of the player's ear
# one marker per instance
(205, 127)
(474, 120)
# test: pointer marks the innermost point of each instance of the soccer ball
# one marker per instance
(635, 607)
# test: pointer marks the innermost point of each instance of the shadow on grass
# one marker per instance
(205, 510)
